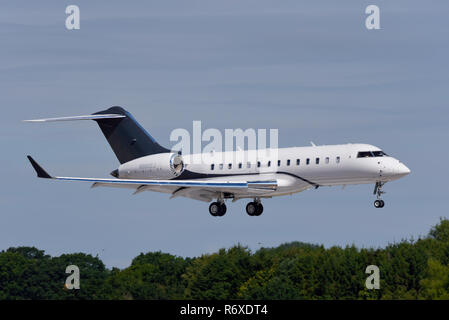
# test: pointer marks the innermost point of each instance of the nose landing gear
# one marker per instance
(379, 203)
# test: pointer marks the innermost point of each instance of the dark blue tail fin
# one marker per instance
(126, 137)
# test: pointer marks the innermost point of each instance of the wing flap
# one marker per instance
(196, 194)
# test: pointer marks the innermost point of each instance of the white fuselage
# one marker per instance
(295, 169)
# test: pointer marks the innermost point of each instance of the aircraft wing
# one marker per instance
(195, 189)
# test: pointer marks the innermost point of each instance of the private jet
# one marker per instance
(145, 165)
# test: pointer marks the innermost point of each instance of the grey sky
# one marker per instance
(309, 68)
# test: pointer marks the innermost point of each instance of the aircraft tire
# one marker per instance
(251, 209)
(378, 204)
(222, 210)
(259, 209)
(214, 209)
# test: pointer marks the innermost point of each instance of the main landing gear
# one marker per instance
(254, 208)
(379, 203)
(217, 209)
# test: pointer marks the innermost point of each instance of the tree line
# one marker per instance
(409, 269)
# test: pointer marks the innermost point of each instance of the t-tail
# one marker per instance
(125, 135)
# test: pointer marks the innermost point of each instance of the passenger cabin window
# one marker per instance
(307, 161)
(230, 166)
(317, 160)
(327, 160)
(288, 162)
(221, 166)
(337, 160)
(279, 163)
(269, 163)
(240, 165)
(212, 166)
(297, 162)
(258, 164)
(248, 164)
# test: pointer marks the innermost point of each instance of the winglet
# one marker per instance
(41, 173)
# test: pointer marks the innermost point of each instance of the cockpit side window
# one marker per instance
(364, 154)
(371, 154)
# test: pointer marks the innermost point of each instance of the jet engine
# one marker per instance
(155, 166)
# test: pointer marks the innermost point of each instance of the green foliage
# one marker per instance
(27, 273)
(151, 276)
(218, 276)
(440, 232)
(408, 270)
(436, 284)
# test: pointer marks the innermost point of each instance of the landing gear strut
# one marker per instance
(217, 209)
(379, 203)
(254, 208)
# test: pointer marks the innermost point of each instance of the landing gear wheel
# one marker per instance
(379, 203)
(251, 208)
(254, 209)
(217, 209)
(222, 210)
(214, 209)
(259, 209)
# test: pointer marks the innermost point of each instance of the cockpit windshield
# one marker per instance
(371, 154)
(379, 154)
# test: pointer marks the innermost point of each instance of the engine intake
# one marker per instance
(176, 164)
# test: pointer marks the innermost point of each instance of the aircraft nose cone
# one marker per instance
(402, 170)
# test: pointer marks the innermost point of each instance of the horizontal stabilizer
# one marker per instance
(88, 117)
(127, 138)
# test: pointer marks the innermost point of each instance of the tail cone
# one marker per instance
(114, 173)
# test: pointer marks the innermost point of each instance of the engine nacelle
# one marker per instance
(155, 166)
